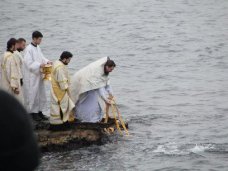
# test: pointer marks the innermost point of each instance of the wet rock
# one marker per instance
(71, 135)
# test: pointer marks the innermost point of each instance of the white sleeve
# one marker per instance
(108, 88)
(102, 93)
(45, 60)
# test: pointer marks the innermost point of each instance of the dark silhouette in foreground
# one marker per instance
(18, 146)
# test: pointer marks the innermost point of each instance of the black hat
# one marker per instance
(18, 146)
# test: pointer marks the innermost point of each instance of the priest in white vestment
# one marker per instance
(11, 71)
(34, 89)
(90, 90)
(61, 104)
(18, 67)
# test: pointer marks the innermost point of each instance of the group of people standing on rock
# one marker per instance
(83, 97)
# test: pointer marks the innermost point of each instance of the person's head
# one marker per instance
(21, 43)
(18, 146)
(11, 44)
(109, 66)
(37, 37)
(65, 57)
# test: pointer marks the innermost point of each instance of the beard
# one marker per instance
(20, 49)
(65, 63)
(106, 72)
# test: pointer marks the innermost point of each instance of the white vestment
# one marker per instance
(11, 74)
(61, 103)
(19, 62)
(6, 72)
(34, 89)
(18, 59)
(85, 91)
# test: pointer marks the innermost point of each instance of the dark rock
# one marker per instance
(71, 135)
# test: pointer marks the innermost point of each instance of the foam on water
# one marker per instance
(170, 149)
(175, 149)
(202, 148)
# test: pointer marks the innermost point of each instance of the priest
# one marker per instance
(61, 103)
(34, 60)
(17, 62)
(10, 79)
(90, 90)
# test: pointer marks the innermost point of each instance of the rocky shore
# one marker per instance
(72, 136)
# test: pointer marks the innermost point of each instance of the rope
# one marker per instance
(117, 124)
(121, 119)
(115, 112)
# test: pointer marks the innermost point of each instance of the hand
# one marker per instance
(109, 102)
(42, 65)
(110, 97)
(50, 62)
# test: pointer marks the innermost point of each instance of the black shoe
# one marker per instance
(35, 117)
(42, 116)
